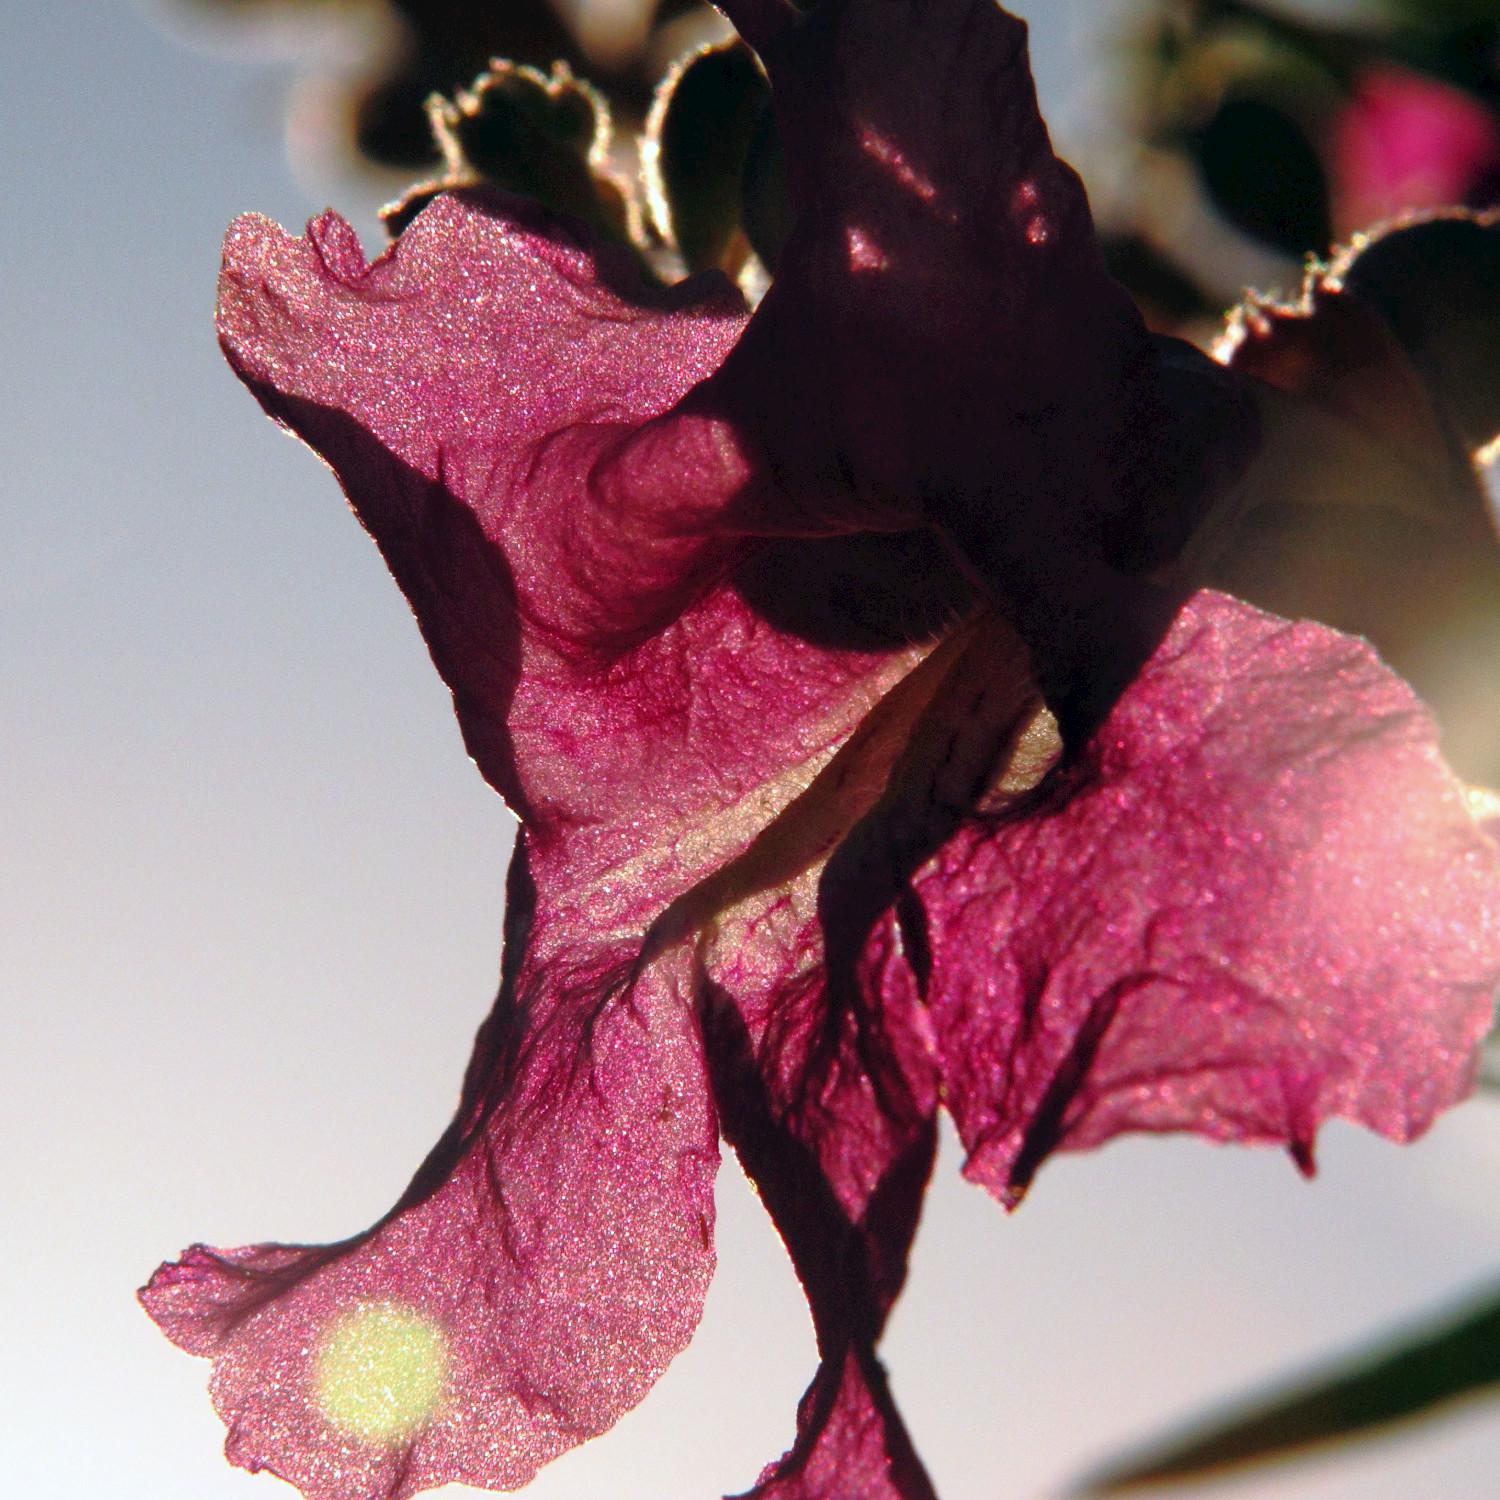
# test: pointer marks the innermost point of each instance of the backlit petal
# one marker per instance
(544, 1266)
(1257, 903)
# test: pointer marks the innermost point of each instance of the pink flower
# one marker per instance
(853, 777)
(1405, 141)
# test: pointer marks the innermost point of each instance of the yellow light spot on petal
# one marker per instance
(381, 1372)
(1482, 804)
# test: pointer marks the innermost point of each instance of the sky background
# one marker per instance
(250, 902)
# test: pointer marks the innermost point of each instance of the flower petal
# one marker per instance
(942, 342)
(1407, 140)
(1364, 509)
(1258, 902)
(468, 387)
(851, 1441)
(944, 264)
(651, 718)
(729, 761)
(828, 1097)
(821, 1062)
(543, 1268)
(490, 404)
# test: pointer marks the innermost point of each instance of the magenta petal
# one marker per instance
(746, 773)
(548, 1261)
(486, 397)
(503, 423)
(1407, 140)
(502, 420)
(851, 1443)
(829, 1099)
(1259, 904)
(836, 1129)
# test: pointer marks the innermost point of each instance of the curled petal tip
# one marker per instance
(338, 246)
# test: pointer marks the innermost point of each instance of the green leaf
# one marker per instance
(697, 139)
(767, 198)
(1489, 1068)
(1264, 175)
(542, 135)
(1410, 1377)
(1447, 13)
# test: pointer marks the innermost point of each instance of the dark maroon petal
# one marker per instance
(1259, 903)
(760, 22)
(942, 342)
(1364, 509)
(942, 339)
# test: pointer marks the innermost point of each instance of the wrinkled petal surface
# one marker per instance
(1257, 903)
(823, 1074)
(830, 1102)
(549, 1260)
(750, 621)
(851, 1442)
(490, 404)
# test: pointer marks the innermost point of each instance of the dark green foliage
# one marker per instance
(1438, 286)
(1166, 293)
(1435, 1365)
(450, 41)
(1264, 175)
(698, 140)
(543, 136)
